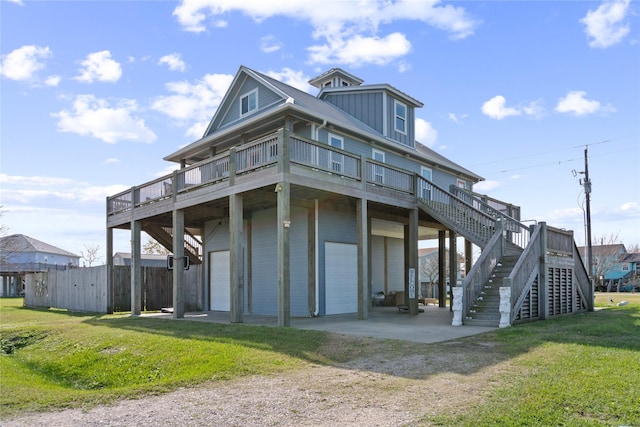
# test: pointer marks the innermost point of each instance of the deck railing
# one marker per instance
(381, 174)
(203, 173)
(323, 157)
(257, 154)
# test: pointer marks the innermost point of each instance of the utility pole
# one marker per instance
(587, 192)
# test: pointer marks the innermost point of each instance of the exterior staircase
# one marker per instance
(485, 309)
(164, 236)
(479, 223)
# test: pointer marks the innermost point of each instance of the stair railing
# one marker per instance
(480, 273)
(524, 271)
(454, 212)
(515, 231)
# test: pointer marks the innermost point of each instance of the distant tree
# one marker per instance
(604, 258)
(634, 249)
(90, 254)
(153, 247)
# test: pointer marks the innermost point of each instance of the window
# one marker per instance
(462, 184)
(336, 159)
(249, 102)
(378, 170)
(401, 117)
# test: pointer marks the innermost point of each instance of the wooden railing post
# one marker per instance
(543, 286)
(232, 165)
(283, 151)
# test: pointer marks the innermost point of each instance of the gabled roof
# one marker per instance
(21, 243)
(336, 72)
(303, 103)
(604, 250)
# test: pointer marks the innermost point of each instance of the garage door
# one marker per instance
(341, 278)
(220, 279)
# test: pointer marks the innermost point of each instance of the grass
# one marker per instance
(575, 370)
(54, 359)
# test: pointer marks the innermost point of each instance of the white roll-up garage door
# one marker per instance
(220, 279)
(341, 278)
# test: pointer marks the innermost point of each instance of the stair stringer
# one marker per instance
(166, 239)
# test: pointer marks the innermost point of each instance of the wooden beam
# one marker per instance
(109, 289)
(235, 232)
(453, 262)
(442, 285)
(136, 269)
(363, 259)
(283, 225)
(178, 264)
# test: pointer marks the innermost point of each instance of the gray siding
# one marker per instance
(377, 264)
(395, 264)
(265, 262)
(266, 98)
(366, 107)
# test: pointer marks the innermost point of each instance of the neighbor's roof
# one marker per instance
(22, 243)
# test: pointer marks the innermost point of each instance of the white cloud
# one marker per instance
(52, 81)
(174, 62)
(99, 66)
(496, 108)
(605, 26)
(270, 44)
(534, 109)
(24, 62)
(425, 133)
(96, 118)
(18, 2)
(350, 27)
(486, 186)
(193, 103)
(576, 103)
(297, 79)
(359, 50)
(453, 117)
(111, 161)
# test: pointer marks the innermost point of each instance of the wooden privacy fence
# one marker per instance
(85, 289)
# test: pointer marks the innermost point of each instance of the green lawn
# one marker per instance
(575, 370)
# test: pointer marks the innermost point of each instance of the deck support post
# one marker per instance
(235, 231)
(453, 262)
(411, 280)
(283, 225)
(178, 264)
(136, 269)
(363, 259)
(442, 282)
(109, 288)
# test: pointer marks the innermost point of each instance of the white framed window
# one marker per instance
(377, 170)
(400, 120)
(249, 102)
(461, 183)
(425, 187)
(336, 160)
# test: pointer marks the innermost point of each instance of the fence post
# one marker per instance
(543, 285)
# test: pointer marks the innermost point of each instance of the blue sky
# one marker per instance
(94, 94)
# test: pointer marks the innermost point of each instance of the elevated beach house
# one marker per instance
(302, 205)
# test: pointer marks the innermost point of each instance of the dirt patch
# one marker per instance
(375, 383)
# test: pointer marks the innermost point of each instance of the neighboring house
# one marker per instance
(147, 260)
(302, 205)
(606, 271)
(22, 254)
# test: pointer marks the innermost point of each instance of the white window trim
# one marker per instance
(336, 160)
(461, 183)
(248, 95)
(378, 171)
(396, 116)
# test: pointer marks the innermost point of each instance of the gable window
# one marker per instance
(249, 102)
(378, 170)
(400, 117)
(462, 184)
